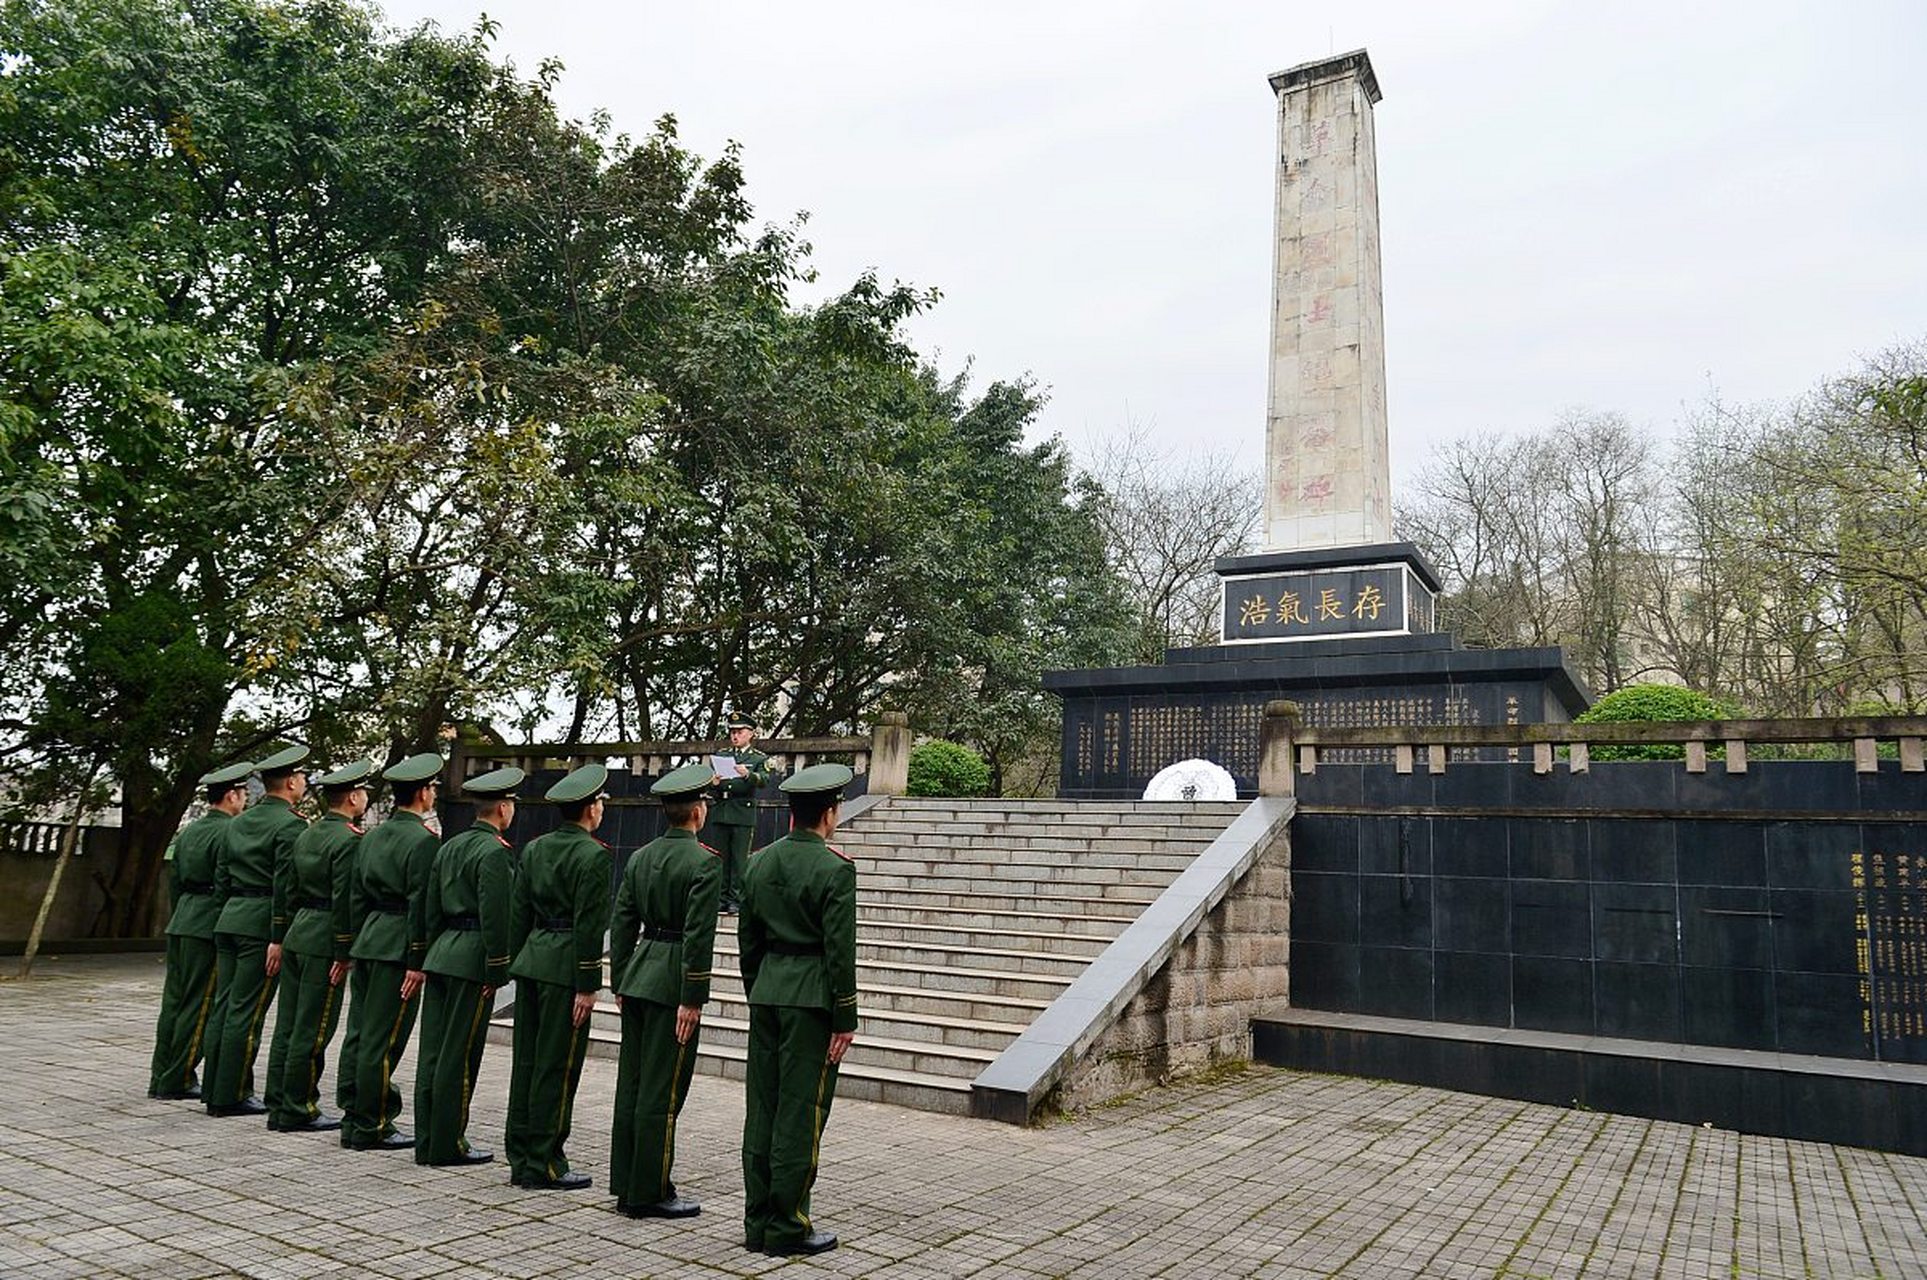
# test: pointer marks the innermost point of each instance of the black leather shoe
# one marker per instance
(245, 1107)
(321, 1123)
(673, 1207)
(178, 1095)
(395, 1141)
(474, 1155)
(570, 1181)
(753, 1243)
(814, 1242)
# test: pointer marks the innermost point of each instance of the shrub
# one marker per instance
(939, 768)
(1651, 702)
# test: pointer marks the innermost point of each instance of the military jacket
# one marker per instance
(388, 902)
(797, 931)
(736, 806)
(674, 883)
(467, 915)
(561, 909)
(257, 847)
(319, 870)
(190, 886)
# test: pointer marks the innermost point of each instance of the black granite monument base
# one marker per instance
(1346, 632)
(1123, 724)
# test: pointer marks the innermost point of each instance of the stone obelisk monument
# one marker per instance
(1330, 566)
(1334, 612)
(1327, 471)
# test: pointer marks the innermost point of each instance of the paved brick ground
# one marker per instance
(1264, 1173)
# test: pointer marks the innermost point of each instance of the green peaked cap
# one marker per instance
(496, 784)
(282, 761)
(419, 768)
(578, 784)
(818, 777)
(685, 781)
(348, 775)
(227, 773)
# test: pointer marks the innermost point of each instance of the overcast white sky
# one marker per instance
(1610, 206)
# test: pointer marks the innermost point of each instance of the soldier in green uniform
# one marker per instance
(735, 813)
(390, 898)
(661, 939)
(797, 937)
(559, 914)
(314, 951)
(187, 996)
(467, 923)
(247, 940)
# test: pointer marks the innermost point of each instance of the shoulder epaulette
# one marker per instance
(838, 852)
(714, 851)
(503, 841)
(357, 830)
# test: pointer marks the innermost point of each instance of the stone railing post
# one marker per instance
(1275, 733)
(890, 754)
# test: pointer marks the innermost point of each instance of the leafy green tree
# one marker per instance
(348, 392)
(199, 199)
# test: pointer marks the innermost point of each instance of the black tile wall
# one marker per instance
(1471, 915)
(1711, 927)
(1470, 987)
(1636, 1001)
(1551, 994)
(1550, 848)
(1551, 918)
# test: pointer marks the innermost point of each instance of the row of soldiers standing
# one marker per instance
(405, 922)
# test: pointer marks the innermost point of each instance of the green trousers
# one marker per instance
(735, 851)
(454, 1033)
(788, 1091)
(348, 1057)
(652, 1082)
(382, 1022)
(240, 1006)
(307, 1011)
(187, 1004)
(278, 1043)
(549, 1050)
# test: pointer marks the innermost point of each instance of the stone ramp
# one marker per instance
(972, 917)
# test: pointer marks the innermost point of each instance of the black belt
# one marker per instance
(196, 888)
(555, 922)
(314, 904)
(776, 948)
(393, 906)
(239, 891)
(656, 933)
(462, 924)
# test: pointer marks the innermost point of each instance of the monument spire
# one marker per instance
(1327, 469)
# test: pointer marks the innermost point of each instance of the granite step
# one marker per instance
(972, 917)
(861, 1081)
(950, 933)
(993, 897)
(1140, 890)
(1007, 860)
(1096, 928)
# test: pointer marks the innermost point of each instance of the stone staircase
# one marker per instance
(972, 916)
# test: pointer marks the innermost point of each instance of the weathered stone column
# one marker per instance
(1275, 734)
(1327, 469)
(890, 754)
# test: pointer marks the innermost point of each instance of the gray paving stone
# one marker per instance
(1259, 1173)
